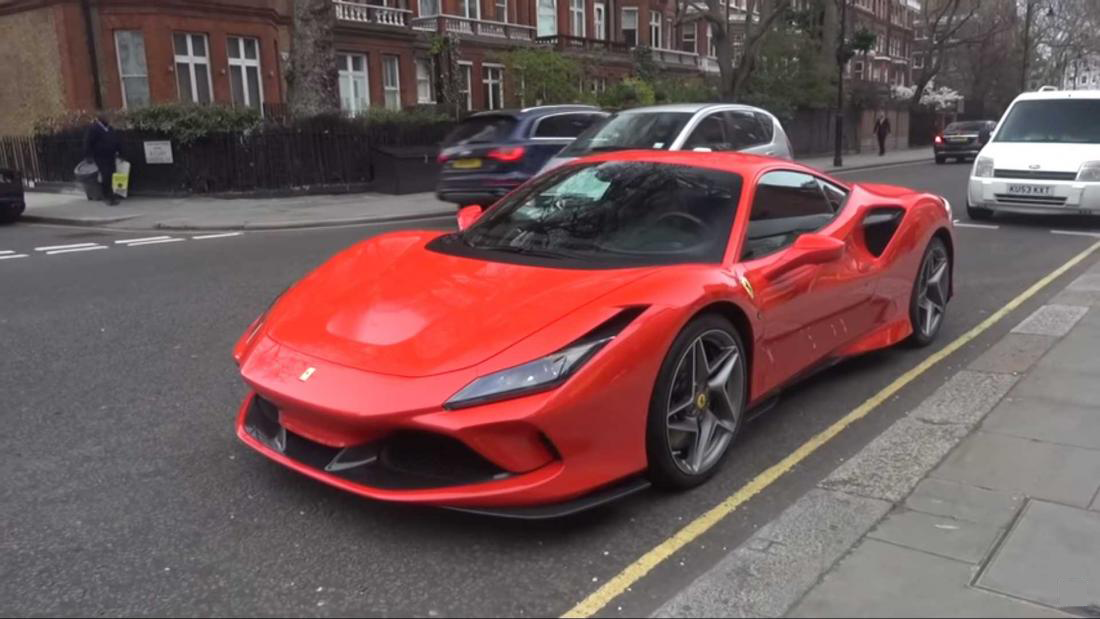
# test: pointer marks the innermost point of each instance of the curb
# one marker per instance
(870, 166)
(259, 225)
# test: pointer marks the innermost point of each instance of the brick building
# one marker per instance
(892, 22)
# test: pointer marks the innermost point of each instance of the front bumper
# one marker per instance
(1069, 197)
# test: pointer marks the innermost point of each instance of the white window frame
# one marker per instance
(191, 60)
(424, 74)
(467, 68)
(497, 6)
(465, 7)
(546, 27)
(712, 48)
(577, 21)
(423, 8)
(245, 64)
(689, 36)
(487, 81)
(599, 16)
(346, 70)
(655, 36)
(387, 89)
(122, 76)
(630, 10)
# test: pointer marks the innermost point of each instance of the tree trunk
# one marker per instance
(724, 44)
(312, 82)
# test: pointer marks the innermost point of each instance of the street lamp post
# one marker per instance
(841, 60)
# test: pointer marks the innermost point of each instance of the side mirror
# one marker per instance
(808, 249)
(467, 215)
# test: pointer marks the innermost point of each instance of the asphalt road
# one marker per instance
(125, 491)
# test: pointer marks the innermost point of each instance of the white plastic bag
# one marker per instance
(120, 182)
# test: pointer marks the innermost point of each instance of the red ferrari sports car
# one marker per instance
(606, 326)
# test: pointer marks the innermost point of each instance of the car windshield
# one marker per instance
(630, 130)
(611, 214)
(481, 130)
(1053, 120)
(966, 127)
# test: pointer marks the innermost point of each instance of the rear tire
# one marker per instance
(977, 213)
(940, 159)
(698, 404)
(931, 293)
(11, 214)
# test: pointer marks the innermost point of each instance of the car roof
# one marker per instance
(539, 110)
(1059, 94)
(691, 108)
(742, 163)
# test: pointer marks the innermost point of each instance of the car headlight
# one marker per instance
(545, 373)
(983, 167)
(1089, 172)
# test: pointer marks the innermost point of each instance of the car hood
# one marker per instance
(1049, 157)
(391, 306)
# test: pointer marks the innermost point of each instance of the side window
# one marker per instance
(786, 205)
(834, 194)
(745, 130)
(766, 125)
(563, 126)
(709, 133)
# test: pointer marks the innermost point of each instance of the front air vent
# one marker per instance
(879, 227)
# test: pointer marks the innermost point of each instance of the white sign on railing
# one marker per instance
(158, 153)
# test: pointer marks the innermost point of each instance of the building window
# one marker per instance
(493, 80)
(132, 71)
(857, 70)
(245, 81)
(630, 26)
(576, 17)
(391, 81)
(466, 70)
(428, 7)
(501, 10)
(192, 67)
(354, 83)
(712, 47)
(599, 14)
(918, 61)
(470, 9)
(424, 81)
(670, 36)
(655, 30)
(548, 18)
(689, 39)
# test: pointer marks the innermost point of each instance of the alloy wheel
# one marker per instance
(933, 291)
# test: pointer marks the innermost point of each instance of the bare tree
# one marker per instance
(759, 16)
(313, 86)
(1063, 32)
(944, 24)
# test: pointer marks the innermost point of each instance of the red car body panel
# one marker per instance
(388, 331)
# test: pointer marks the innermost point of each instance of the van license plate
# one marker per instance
(1032, 190)
(466, 164)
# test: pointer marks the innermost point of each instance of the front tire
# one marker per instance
(931, 292)
(977, 213)
(698, 403)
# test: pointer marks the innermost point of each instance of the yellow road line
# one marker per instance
(642, 566)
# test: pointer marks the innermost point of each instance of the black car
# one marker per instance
(962, 139)
(12, 203)
(491, 153)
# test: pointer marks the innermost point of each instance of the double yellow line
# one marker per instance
(644, 564)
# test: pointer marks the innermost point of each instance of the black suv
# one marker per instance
(962, 139)
(11, 195)
(491, 153)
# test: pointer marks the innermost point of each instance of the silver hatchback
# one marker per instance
(703, 127)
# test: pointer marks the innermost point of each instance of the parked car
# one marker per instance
(491, 153)
(690, 126)
(962, 139)
(1043, 158)
(12, 202)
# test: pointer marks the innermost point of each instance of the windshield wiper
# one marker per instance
(524, 251)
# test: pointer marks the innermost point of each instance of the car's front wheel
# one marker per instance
(931, 292)
(977, 213)
(698, 403)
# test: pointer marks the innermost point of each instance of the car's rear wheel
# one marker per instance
(11, 213)
(940, 159)
(698, 403)
(931, 292)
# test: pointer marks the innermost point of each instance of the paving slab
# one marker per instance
(767, 574)
(1055, 320)
(1042, 470)
(1063, 382)
(969, 542)
(1015, 354)
(891, 465)
(883, 580)
(1051, 556)
(964, 502)
(1052, 421)
(965, 399)
(1096, 502)
(1077, 297)
(1088, 282)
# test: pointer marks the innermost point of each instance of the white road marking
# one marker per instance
(1076, 233)
(5, 252)
(216, 236)
(9, 256)
(959, 224)
(156, 242)
(148, 238)
(51, 248)
(73, 249)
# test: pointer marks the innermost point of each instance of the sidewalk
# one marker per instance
(856, 161)
(204, 213)
(983, 501)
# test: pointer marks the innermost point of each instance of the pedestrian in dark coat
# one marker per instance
(881, 130)
(102, 145)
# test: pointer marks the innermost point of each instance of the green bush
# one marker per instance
(631, 92)
(185, 123)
